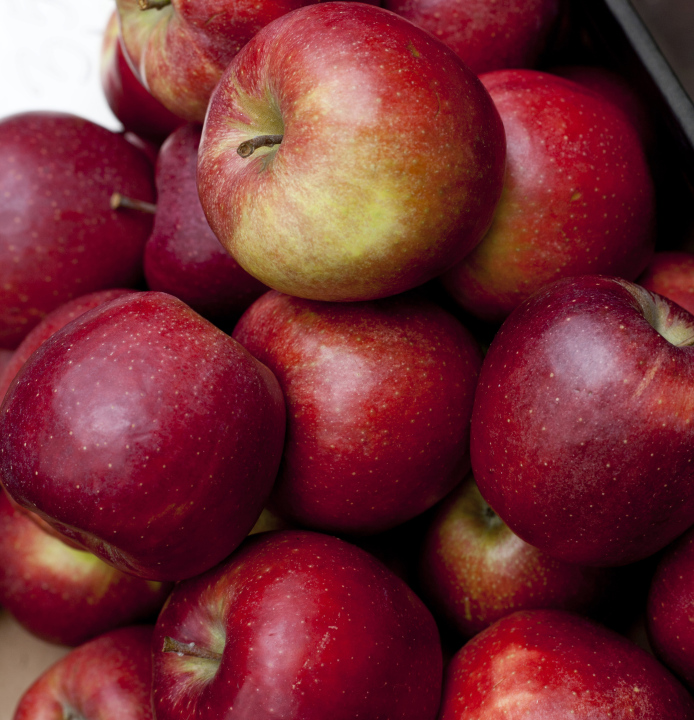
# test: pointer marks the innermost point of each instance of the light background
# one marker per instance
(49, 57)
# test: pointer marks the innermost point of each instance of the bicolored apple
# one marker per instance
(348, 155)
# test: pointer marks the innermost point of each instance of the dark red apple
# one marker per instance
(108, 678)
(671, 274)
(127, 97)
(474, 570)
(671, 608)
(582, 437)
(59, 237)
(487, 35)
(62, 594)
(296, 626)
(183, 256)
(144, 433)
(371, 158)
(179, 48)
(578, 196)
(379, 396)
(551, 664)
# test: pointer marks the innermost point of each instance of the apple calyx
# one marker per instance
(676, 327)
(246, 149)
(190, 649)
(153, 4)
(123, 201)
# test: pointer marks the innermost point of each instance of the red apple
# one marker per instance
(183, 256)
(581, 434)
(379, 396)
(296, 626)
(179, 48)
(127, 97)
(487, 35)
(671, 274)
(144, 433)
(671, 608)
(108, 678)
(385, 157)
(62, 594)
(474, 570)
(578, 196)
(60, 237)
(552, 664)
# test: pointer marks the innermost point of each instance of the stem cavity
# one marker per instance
(246, 149)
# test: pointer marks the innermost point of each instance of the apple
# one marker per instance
(474, 570)
(671, 608)
(487, 35)
(671, 274)
(348, 155)
(127, 97)
(578, 197)
(296, 625)
(107, 678)
(581, 436)
(62, 594)
(379, 396)
(554, 664)
(144, 433)
(60, 238)
(179, 48)
(183, 256)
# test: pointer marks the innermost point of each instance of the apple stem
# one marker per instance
(246, 149)
(153, 4)
(190, 649)
(123, 201)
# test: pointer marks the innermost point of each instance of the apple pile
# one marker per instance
(347, 381)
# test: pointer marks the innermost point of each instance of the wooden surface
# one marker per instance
(22, 660)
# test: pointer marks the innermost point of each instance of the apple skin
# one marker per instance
(671, 606)
(578, 197)
(51, 323)
(581, 436)
(486, 35)
(474, 570)
(338, 80)
(60, 238)
(550, 664)
(179, 51)
(183, 256)
(107, 678)
(163, 459)
(379, 397)
(308, 627)
(671, 274)
(61, 594)
(127, 97)
(616, 88)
